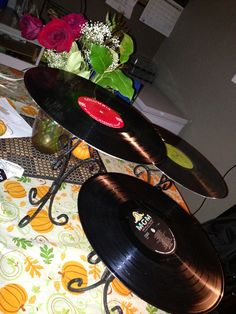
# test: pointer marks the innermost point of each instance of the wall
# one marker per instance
(195, 67)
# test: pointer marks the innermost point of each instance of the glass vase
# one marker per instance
(48, 136)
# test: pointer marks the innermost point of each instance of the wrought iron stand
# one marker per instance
(106, 279)
(164, 183)
(61, 162)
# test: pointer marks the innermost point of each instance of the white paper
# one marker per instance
(11, 169)
(16, 125)
(234, 79)
(161, 15)
(123, 6)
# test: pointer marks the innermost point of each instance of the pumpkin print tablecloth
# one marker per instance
(13, 88)
(38, 261)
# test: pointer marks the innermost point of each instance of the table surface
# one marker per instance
(37, 261)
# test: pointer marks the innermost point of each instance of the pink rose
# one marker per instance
(56, 35)
(75, 21)
(30, 26)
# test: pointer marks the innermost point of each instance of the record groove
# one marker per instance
(178, 272)
(95, 115)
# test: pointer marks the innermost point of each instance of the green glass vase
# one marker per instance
(48, 136)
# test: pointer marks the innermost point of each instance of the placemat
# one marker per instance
(39, 165)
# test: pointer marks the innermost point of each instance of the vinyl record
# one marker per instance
(150, 244)
(188, 167)
(95, 115)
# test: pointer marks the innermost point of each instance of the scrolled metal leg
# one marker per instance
(106, 279)
(79, 281)
(62, 162)
(49, 195)
(118, 309)
(164, 182)
(93, 258)
(105, 290)
(140, 169)
(27, 219)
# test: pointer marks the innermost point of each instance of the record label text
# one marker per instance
(101, 112)
(153, 232)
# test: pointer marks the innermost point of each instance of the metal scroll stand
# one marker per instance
(164, 183)
(62, 163)
(106, 279)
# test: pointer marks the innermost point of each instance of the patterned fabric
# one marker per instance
(14, 89)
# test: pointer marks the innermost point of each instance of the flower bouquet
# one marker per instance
(94, 50)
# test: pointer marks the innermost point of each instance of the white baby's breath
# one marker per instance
(55, 59)
(98, 33)
(98, 55)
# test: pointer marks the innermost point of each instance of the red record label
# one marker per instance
(100, 112)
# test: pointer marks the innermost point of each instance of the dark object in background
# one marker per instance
(222, 232)
(3, 4)
(141, 68)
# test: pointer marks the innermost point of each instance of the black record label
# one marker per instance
(152, 231)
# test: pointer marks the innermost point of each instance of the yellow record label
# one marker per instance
(178, 156)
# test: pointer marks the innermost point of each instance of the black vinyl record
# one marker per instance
(150, 244)
(95, 115)
(188, 167)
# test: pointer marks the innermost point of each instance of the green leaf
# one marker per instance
(63, 186)
(47, 254)
(151, 309)
(23, 243)
(118, 81)
(36, 289)
(11, 261)
(23, 179)
(100, 58)
(126, 48)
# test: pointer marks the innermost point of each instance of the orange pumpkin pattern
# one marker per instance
(14, 189)
(29, 110)
(81, 151)
(12, 298)
(3, 128)
(41, 223)
(72, 270)
(120, 288)
(42, 190)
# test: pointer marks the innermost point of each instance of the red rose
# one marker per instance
(75, 21)
(30, 26)
(56, 35)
